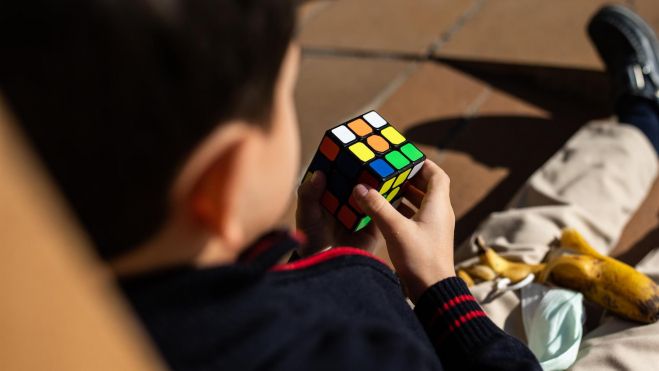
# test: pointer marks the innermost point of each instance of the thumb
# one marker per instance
(385, 216)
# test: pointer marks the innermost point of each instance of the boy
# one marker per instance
(170, 128)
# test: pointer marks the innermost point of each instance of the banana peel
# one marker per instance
(481, 272)
(601, 279)
(465, 277)
(574, 241)
(515, 271)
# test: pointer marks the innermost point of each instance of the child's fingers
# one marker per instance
(309, 212)
(420, 181)
(436, 202)
(385, 216)
(311, 190)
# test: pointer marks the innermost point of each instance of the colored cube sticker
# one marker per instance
(366, 150)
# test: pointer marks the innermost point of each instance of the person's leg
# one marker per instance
(616, 343)
(594, 184)
(642, 113)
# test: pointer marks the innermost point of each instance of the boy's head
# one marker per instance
(154, 113)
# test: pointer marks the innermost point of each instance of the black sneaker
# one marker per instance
(629, 48)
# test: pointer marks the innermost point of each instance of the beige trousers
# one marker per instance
(594, 184)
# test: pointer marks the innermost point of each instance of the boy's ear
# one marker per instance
(214, 198)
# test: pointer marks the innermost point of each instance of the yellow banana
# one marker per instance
(512, 270)
(465, 277)
(607, 282)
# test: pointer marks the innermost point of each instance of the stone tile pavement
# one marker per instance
(488, 88)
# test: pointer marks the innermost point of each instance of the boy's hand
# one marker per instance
(421, 247)
(322, 230)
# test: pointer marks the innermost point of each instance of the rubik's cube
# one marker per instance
(365, 150)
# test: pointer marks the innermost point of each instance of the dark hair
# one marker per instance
(114, 95)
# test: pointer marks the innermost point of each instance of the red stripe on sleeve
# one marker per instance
(466, 318)
(452, 327)
(450, 304)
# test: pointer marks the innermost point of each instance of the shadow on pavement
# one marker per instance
(520, 144)
(546, 86)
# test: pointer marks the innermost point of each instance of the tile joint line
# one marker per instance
(416, 58)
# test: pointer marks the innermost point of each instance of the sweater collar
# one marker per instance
(269, 249)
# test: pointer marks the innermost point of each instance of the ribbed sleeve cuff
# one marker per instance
(451, 315)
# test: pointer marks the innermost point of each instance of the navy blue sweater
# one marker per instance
(338, 310)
